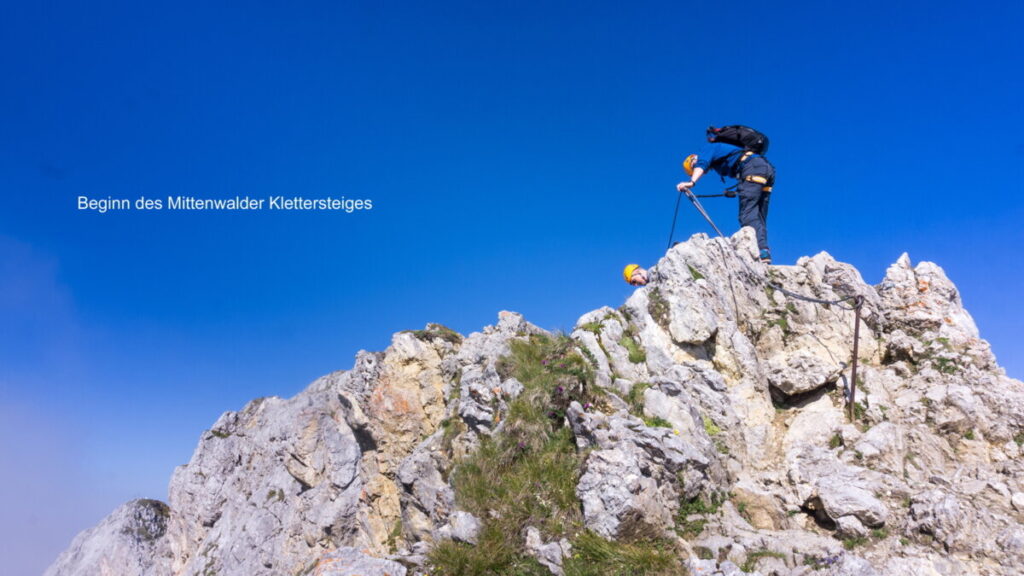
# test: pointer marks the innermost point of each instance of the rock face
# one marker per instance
(723, 429)
(129, 541)
(351, 562)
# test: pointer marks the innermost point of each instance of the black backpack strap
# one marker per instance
(736, 159)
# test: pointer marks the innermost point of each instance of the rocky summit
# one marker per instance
(701, 428)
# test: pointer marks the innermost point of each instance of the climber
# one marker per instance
(746, 164)
(635, 275)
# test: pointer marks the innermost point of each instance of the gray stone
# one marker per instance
(550, 555)
(631, 479)
(850, 565)
(884, 446)
(464, 527)
(352, 562)
(128, 541)
(941, 515)
(850, 527)
(618, 500)
(427, 501)
(800, 372)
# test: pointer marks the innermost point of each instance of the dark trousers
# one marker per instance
(754, 198)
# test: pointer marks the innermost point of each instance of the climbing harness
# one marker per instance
(854, 303)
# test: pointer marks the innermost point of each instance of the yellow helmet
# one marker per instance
(627, 272)
(688, 164)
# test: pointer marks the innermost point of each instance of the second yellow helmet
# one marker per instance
(627, 272)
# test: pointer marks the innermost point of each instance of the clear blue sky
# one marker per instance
(517, 154)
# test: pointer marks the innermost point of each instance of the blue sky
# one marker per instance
(517, 155)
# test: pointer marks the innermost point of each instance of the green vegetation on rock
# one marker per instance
(527, 476)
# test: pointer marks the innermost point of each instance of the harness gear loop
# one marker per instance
(741, 156)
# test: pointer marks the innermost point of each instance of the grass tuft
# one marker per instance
(658, 308)
(636, 397)
(657, 422)
(526, 475)
(854, 541)
(595, 556)
(493, 554)
(438, 331)
(637, 355)
(689, 528)
(754, 557)
(710, 427)
(945, 365)
(836, 441)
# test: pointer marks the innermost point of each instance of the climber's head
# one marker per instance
(689, 163)
(635, 275)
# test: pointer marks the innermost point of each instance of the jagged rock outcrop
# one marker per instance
(719, 426)
(268, 487)
(131, 540)
(629, 483)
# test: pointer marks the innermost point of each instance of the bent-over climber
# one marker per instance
(733, 153)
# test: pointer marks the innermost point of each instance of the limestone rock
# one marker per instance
(1018, 501)
(551, 554)
(464, 527)
(801, 372)
(883, 447)
(941, 515)
(268, 488)
(128, 541)
(352, 562)
(835, 489)
(922, 299)
(427, 501)
(631, 480)
(716, 381)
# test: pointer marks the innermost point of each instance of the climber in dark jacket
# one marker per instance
(756, 177)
